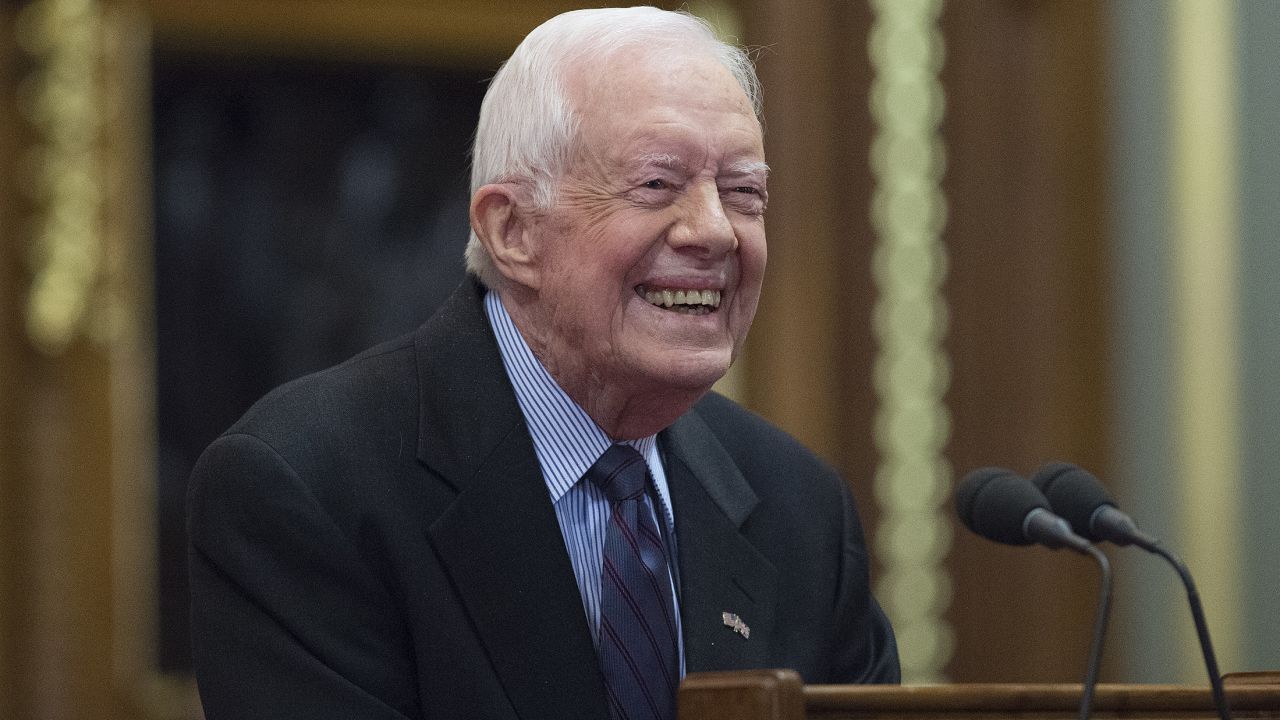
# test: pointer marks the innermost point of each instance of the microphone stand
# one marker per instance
(1122, 530)
(1202, 627)
(1099, 631)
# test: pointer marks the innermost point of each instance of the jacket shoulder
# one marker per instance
(374, 382)
(364, 407)
(758, 446)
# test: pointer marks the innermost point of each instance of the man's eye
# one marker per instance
(656, 185)
(747, 189)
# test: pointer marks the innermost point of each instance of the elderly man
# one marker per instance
(532, 507)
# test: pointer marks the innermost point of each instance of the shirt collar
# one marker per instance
(566, 440)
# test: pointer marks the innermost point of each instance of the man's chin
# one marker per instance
(693, 373)
(655, 390)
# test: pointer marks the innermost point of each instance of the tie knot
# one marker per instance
(620, 473)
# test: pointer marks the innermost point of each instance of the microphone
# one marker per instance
(1002, 506)
(1077, 495)
(1081, 500)
(1005, 508)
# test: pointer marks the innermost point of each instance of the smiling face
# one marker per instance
(650, 263)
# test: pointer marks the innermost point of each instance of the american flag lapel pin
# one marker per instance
(733, 622)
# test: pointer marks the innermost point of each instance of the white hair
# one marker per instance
(527, 124)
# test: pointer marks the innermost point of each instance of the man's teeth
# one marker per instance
(670, 298)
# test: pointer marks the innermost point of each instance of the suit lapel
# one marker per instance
(500, 541)
(721, 572)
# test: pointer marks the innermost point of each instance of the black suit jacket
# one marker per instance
(377, 541)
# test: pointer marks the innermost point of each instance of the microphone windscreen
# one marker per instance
(1074, 494)
(994, 503)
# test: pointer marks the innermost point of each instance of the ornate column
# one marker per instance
(913, 479)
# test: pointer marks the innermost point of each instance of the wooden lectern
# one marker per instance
(780, 695)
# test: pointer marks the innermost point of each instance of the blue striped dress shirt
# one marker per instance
(568, 442)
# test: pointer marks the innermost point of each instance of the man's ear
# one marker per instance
(502, 218)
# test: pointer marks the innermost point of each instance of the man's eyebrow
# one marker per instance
(662, 160)
(665, 161)
(748, 167)
(668, 161)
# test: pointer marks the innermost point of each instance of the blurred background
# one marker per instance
(1002, 232)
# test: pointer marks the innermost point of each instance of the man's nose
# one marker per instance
(704, 228)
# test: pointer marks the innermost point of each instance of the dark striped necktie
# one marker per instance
(637, 640)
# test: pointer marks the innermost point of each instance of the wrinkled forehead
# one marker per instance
(593, 74)
(672, 111)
